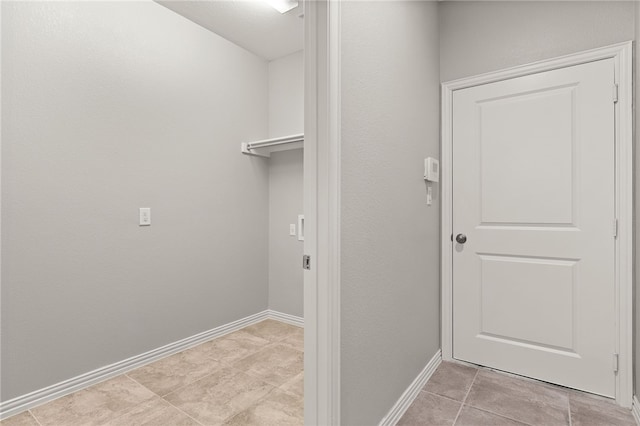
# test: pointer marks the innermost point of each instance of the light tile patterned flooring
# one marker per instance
(466, 396)
(253, 376)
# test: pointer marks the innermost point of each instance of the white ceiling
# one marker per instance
(251, 24)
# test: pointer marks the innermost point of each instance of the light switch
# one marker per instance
(300, 227)
(292, 229)
(145, 216)
(431, 169)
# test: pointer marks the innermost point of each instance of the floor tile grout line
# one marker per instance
(147, 400)
(287, 382)
(228, 364)
(34, 417)
(137, 382)
(30, 411)
(544, 385)
(485, 409)
(498, 414)
(179, 387)
(174, 390)
(255, 375)
(263, 397)
(464, 400)
(475, 376)
(276, 339)
(268, 344)
(569, 409)
(160, 396)
(441, 396)
(251, 375)
(223, 364)
(288, 392)
(183, 412)
(237, 370)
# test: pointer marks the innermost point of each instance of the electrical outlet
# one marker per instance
(145, 216)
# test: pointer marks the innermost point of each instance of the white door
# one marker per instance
(533, 192)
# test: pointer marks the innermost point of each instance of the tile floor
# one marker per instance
(463, 395)
(253, 376)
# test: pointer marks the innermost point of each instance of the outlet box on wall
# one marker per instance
(145, 216)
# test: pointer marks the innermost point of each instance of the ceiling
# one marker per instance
(251, 24)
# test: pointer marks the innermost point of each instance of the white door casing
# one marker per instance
(322, 212)
(540, 240)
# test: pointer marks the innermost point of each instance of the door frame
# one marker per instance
(622, 55)
(322, 212)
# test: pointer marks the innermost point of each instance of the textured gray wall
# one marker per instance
(286, 282)
(483, 36)
(108, 107)
(390, 289)
(286, 95)
(286, 117)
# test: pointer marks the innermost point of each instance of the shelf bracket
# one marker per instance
(245, 150)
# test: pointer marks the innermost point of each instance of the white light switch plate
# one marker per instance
(300, 227)
(431, 169)
(145, 216)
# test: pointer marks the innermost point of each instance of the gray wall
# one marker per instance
(286, 282)
(286, 117)
(477, 37)
(286, 95)
(390, 289)
(108, 107)
(482, 36)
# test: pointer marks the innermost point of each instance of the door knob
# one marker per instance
(461, 238)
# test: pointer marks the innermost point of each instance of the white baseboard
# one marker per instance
(41, 396)
(635, 409)
(409, 395)
(286, 318)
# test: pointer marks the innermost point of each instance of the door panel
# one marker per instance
(533, 191)
(525, 283)
(531, 149)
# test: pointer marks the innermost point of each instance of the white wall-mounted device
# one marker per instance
(300, 227)
(431, 169)
(145, 216)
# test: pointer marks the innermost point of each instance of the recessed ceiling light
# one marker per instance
(282, 6)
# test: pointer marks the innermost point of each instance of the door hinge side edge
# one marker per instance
(615, 228)
(615, 362)
(615, 93)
